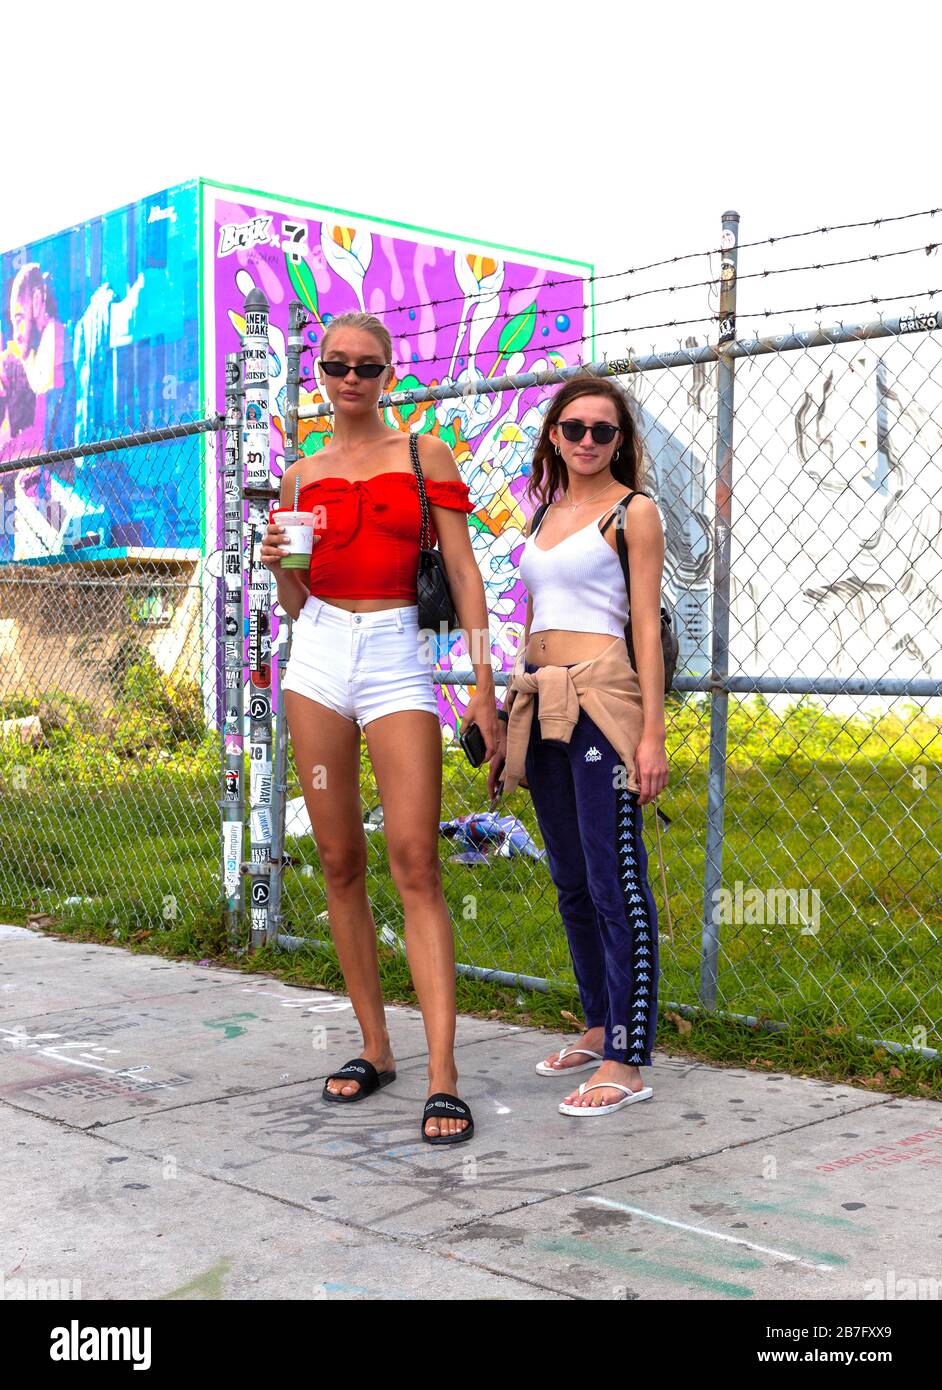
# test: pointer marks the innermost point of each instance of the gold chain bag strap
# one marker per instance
(436, 605)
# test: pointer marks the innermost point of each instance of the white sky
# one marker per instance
(606, 132)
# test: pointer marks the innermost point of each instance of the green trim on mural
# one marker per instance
(592, 292)
(389, 222)
(202, 357)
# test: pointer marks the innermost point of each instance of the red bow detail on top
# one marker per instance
(342, 504)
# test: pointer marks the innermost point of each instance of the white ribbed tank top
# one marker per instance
(577, 585)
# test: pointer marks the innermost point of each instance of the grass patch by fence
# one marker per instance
(124, 821)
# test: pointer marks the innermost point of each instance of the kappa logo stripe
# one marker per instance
(636, 907)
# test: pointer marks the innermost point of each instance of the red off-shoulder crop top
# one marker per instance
(369, 532)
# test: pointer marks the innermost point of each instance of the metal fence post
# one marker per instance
(297, 318)
(232, 647)
(719, 660)
(259, 492)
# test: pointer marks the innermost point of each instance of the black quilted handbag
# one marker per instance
(436, 606)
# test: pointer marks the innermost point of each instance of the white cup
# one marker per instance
(299, 533)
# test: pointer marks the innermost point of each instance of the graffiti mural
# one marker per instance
(836, 562)
(456, 312)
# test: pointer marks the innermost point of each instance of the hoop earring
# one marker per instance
(617, 452)
(558, 454)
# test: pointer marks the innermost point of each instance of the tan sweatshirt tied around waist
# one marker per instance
(606, 687)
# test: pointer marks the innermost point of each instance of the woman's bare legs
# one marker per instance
(406, 753)
(327, 755)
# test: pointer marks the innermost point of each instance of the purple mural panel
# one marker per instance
(456, 312)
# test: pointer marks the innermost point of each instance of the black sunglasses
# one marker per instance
(573, 430)
(370, 370)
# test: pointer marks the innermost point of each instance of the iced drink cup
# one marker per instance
(299, 533)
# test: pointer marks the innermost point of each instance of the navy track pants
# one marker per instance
(591, 826)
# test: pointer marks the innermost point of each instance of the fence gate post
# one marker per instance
(233, 664)
(719, 660)
(297, 318)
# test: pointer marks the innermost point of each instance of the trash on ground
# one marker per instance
(504, 836)
(391, 938)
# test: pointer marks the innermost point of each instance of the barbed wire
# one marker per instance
(714, 318)
(841, 304)
(668, 260)
(868, 259)
(839, 227)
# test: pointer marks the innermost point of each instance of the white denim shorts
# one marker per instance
(362, 665)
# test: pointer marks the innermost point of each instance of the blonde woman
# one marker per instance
(357, 664)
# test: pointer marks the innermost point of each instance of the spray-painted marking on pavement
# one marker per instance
(714, 1235)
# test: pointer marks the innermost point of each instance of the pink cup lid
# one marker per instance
(304, 518)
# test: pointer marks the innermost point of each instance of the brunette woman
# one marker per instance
(358, 662)
(587, 729)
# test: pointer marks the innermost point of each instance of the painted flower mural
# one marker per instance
(456, 314)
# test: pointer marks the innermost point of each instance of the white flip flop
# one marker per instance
(629, 1099)
(544, 1070)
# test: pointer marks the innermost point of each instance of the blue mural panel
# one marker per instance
(99, 335)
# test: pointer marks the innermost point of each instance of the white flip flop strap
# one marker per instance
(601, 1086)
(571, 1051)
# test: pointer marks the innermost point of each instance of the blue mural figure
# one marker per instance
(113, 349)
(37, 412)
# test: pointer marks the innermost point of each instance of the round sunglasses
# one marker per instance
(573, 430)
(369, 370)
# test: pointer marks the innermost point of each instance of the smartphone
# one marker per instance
(472, 741)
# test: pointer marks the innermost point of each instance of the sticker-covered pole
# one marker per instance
(233, 663)
(258, 492)
(281, 649)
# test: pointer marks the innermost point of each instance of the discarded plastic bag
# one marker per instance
(504, 836)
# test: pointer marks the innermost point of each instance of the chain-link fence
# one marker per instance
(802, 861)
(798, 482)
(109, 763)
(804, 852)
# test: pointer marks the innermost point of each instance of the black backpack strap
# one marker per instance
(611, 516)
(538, 516)
(622, 546)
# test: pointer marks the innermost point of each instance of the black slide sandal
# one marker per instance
(358, 1069)
(443, 1106)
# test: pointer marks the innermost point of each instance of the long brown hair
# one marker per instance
(550, 476)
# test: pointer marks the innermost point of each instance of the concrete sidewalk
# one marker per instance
(166, 1137)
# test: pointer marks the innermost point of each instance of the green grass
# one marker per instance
(850, 810)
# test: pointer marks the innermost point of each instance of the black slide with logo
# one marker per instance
(442, 1106)
(358, 1069)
